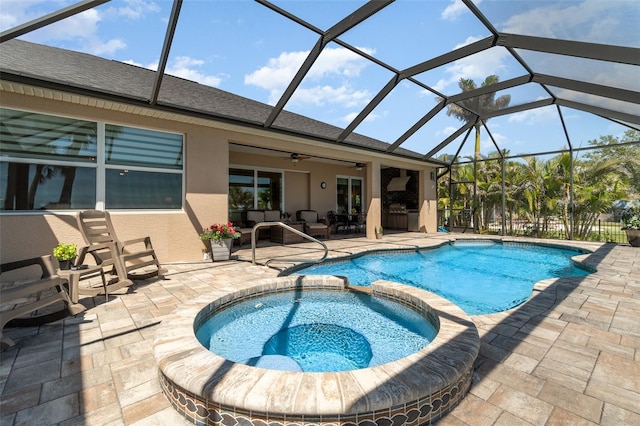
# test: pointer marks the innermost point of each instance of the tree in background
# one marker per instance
(469, 110)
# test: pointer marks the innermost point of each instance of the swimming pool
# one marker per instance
(481, 277)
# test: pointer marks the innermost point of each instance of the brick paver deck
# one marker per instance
(569, 356)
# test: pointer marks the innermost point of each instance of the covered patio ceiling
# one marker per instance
(569, 68)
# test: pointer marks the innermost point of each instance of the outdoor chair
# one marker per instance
(134, 259)
(337, 222)
(26, 287)
(253, 217)
(313, 225)
(103, 254)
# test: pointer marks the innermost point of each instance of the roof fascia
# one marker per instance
(56, 16)
(601, 52)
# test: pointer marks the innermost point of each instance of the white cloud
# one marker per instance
(134, 9)
(454, 10)
(476, 67)
(185, 67)
(81, 29)
(321, 95)
(591, 20)
(446, 132)
(333, 64)
(535, 116)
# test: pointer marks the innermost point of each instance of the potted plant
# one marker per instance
(379, 232)
(631, 226)
(65, 253)
(220, 237)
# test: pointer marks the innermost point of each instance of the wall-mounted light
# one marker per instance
(432, 175)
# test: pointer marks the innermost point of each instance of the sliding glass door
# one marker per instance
(349, 195)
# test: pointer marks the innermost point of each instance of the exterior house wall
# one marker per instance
(207, 158)
(174, 234)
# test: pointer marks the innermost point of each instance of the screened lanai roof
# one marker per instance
(385, 71)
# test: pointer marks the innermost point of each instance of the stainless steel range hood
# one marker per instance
(398, 183)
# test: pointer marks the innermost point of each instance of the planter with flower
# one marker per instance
(631, 226)
(66, 254)
(220, 237)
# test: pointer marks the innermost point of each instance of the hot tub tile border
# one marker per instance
(423, 410)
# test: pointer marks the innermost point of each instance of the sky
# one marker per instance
(243, 47)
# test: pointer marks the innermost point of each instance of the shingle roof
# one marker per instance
(70, 70)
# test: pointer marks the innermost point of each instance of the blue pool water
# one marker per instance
(479, 277)
(316, 331)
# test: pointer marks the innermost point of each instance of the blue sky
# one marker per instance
(243, 47)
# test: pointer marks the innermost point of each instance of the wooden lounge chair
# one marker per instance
(313, 226)
(137, 258)
(103, 255)
(27, 286)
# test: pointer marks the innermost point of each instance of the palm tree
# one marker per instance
(478, 106)
(475, 108)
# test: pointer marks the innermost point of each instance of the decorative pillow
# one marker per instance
(272, 215)
(309, 216)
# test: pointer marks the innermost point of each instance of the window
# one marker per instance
(49, 162)
(143, 168)
(254, 189)
(349, 195)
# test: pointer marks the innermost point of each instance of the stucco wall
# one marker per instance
(175, 233)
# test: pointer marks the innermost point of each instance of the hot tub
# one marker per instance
(416, 389)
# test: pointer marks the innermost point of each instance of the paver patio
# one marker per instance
(569, 356)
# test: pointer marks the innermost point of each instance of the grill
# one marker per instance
(398, 209)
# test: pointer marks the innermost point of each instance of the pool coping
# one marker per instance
(423, 386)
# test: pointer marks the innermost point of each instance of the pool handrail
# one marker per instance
(288, 228)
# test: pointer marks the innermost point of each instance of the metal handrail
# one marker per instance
(288, 228)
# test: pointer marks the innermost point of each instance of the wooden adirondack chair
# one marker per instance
(26, 287)
(135, 259)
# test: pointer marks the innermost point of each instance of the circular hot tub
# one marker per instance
(415, 389)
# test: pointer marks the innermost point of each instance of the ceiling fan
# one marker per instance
(359, 166)
(295, 157)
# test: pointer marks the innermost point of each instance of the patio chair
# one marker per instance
(26, 287)
(103, 254)
(313, 226)
(137, 258)
(337, 222)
